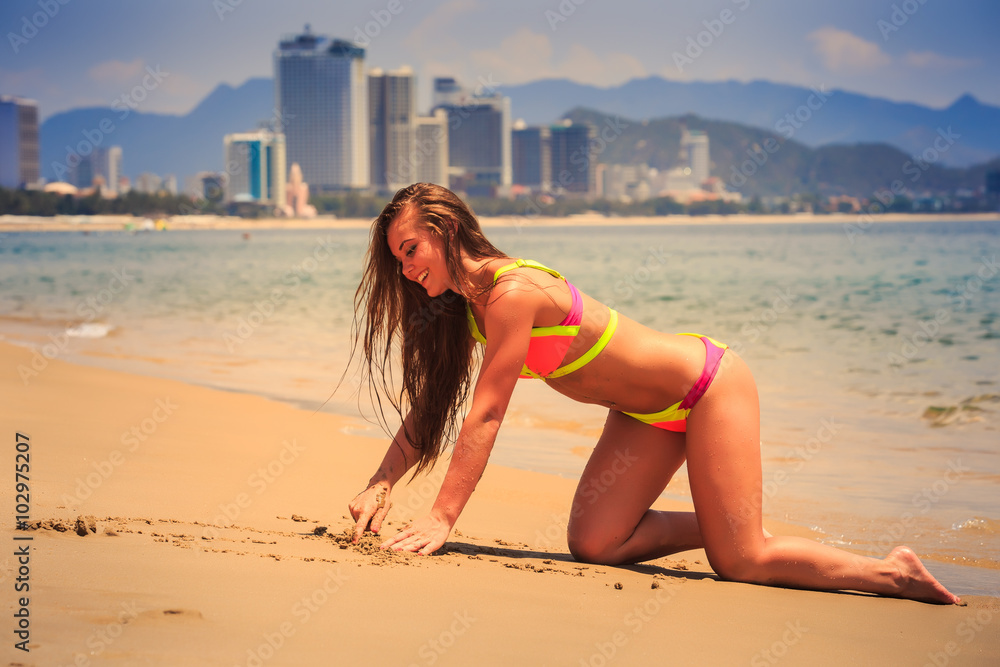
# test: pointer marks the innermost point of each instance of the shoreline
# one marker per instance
(103, 223)
(203, 542)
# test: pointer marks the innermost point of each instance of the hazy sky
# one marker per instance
(91, 52)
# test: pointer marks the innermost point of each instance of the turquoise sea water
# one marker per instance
(875, 351)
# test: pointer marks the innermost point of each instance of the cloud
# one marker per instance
(436, 33)
(928, 60)
(609, 69)
(116, 71)
(843, 52)
(526, 55)
(522, 56)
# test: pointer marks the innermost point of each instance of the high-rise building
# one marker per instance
(992, 189)
(83, 173)
(530, 157)
(447, 91)
(430, 154)
(696, 143)
(479, 160)
(574, 168)
(255, 162)
(692, 168)
(19, 159)
(101, 167)
(376, 129)
(114, 168)
(322, 98)
(89, 168)
(392, 111)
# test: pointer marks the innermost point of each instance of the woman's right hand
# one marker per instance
(370, 507)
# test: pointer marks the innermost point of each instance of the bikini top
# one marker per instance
(549, 345)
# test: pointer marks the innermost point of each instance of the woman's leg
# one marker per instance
(723, 453)
(610, 522)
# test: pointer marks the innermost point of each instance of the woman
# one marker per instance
(435, 285)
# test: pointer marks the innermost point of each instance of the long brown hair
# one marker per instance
(433, 332)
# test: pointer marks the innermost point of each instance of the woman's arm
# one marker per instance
(372, 505)
(399, 458)
(508, 321)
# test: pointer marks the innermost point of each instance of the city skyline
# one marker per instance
(928, 53)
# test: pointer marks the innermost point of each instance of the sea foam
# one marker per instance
(90, 330)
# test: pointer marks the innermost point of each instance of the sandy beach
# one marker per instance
(174, 524)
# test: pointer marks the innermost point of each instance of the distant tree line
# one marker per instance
(36, 202)
(359, 205)
(356, 205)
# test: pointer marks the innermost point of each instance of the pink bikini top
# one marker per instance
(549, 345)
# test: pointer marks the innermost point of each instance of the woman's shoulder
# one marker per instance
(520, 276)
(524, 270)
(523, 292)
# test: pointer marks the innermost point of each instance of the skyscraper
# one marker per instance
(532, 162)
(102, 166)
(19, 161)
(114, 168)
(255, 162)
(392, 111)
(574, 169)
(430, 154)
(693, 165)
(83, 173)
(446, 91)
(696, 144)
(478, 140)
(322, 98)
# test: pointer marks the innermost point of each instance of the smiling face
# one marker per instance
(419, 251)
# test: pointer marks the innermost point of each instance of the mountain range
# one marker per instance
(819, 116)
(186, 144)
(757, 161)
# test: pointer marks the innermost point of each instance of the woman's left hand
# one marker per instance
(424, 536)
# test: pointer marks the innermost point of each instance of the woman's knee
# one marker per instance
(590, 547)
(743, 566)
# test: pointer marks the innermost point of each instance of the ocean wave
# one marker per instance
(969, 410)
(90, 330)
(979, 525)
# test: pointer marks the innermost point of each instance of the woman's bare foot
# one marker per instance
(916, 583)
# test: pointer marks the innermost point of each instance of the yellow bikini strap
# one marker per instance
(473, 327)
(528, 263)
(589, 355)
